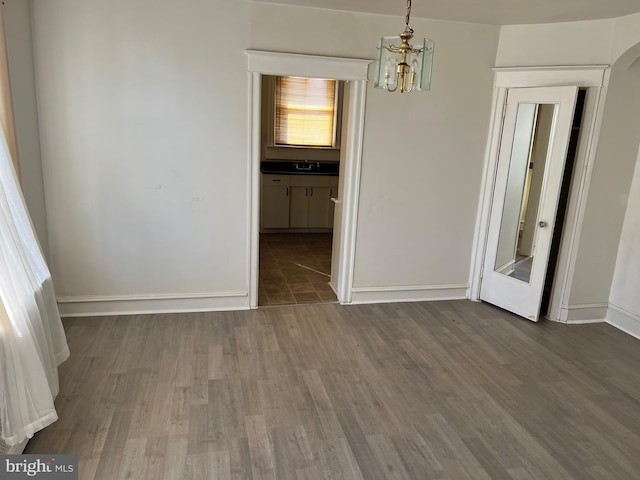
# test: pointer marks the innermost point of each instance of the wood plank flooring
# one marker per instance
(442, 390)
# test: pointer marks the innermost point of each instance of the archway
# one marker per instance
(608, 194)
(621, 149)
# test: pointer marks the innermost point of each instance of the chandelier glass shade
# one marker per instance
(401, 66)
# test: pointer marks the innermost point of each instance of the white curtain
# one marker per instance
(32, 339)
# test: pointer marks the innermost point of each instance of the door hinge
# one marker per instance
(504, 110)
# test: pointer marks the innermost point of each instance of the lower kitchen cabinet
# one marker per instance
(299, 207)
(310, 201)
(319, 204)
(274, 205)
(297, 201)
(309, 207)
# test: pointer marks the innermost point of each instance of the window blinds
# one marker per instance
(305, 111)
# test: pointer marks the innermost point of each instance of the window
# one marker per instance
(305, 112)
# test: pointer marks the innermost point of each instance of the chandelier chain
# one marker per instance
(407, 22)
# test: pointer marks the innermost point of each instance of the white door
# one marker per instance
(535, 137)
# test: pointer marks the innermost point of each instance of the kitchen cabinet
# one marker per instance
(319, 203)
(274, 205)
(297, 201)
(299, 207)
(310, 202)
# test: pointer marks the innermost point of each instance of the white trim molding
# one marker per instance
(624, 320)
(582, 313)
(353, 70)
(94, 306)
(253, 187)
(350, 194)
(409, 293)
(580, 75)
(338, 68)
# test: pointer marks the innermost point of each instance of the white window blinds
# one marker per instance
(305, 111)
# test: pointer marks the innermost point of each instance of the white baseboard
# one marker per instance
(585, 322)
(584, 313)
(145, 304)
(624, 320)
(411, 293)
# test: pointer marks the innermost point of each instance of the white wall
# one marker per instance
(17, 26)
(143, 114)
(423, 153)
(143, 109)
(626, 35)
(609, 189)
(144, 134)
(624, 301)
(624, 305)
(569, 43)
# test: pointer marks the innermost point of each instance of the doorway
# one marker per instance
(563, 202)
(589, 80)
(517, 239)
(301, 135)
(353, 71)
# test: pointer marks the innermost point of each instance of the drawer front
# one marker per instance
(284, 180)
(309, 181)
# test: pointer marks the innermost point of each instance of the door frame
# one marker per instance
(353, 70)
(593, 77)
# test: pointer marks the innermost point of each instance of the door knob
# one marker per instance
(542, 224)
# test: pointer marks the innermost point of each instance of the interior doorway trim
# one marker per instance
(593, 77)
(354, 70)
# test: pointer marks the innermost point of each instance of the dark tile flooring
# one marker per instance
(295, 268)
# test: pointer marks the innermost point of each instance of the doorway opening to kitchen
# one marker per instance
(300, 144)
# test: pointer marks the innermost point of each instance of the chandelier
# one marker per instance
(401, 66)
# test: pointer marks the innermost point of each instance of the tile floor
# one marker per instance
(295, 268)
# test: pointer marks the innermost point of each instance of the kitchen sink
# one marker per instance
(298, 167)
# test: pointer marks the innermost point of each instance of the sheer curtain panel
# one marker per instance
(32, 339)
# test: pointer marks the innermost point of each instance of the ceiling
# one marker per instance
(493, 12)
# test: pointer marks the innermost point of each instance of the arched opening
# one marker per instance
(610, 184)
(619, 173)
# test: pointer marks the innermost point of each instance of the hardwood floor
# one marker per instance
(453, 390)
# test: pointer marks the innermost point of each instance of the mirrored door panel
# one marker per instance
(529, 152)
